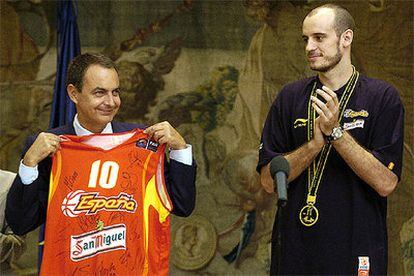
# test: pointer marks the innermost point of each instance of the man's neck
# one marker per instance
(82, 128)
(337, 76)
(93, 129)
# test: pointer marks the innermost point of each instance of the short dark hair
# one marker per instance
(343, 19)
(80, 64)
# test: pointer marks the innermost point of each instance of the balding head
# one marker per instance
(342, 20)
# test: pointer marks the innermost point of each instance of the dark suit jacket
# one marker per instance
(27, 204)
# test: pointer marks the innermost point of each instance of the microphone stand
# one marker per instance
(281, 203)
(279, 170)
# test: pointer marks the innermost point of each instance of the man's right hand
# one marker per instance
(45, 144)
(266, 179)
(318, 137)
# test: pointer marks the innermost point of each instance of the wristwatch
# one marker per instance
(337, 132)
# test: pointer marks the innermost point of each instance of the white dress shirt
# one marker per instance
(29, 174)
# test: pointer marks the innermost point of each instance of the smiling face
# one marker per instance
(322, 44)
(99, 101)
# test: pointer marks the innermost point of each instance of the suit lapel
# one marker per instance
(68, 129)
(116, 127)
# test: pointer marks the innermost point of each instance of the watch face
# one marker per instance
(337, 133)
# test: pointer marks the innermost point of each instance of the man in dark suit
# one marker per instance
(93, 85)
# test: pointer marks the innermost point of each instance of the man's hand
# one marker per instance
(329, 111)
(266, 179)
(45, 144)
(164, 133)
(318, 139)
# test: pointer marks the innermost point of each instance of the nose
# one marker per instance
(310, 45)
(110, 100)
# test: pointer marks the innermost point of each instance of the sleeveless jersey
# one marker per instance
(108, 208)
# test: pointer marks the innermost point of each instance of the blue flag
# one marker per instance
(63, 109)
(68, 47)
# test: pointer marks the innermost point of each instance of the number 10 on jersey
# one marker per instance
(107, 173)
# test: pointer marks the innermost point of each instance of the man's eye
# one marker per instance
(319, 38)
(116, 92)
(99, 93)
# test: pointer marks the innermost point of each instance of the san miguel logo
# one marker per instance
(87, 245)
(79, 201)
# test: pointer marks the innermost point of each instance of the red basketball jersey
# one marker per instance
(108, 210)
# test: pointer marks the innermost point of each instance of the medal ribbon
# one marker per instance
(309, 214)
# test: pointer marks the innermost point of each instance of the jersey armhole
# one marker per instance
(161, 187)
(55, 174)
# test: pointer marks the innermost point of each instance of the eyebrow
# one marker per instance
(314, 34)
(101, 88)
(98, 88)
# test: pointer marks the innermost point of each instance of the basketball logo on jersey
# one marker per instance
(147, 144)
(79, 201)
(70, 202)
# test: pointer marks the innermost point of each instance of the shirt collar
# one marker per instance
(81, 131)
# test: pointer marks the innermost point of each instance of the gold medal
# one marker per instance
(308, 215)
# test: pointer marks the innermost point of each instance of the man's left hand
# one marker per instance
(164, 133)
(328, 112)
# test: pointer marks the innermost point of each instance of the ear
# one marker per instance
(72, 93)
(347, 38)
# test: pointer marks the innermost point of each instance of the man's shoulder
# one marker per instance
(296, 89)
(299, 85)
(375, 84)
(65, 129)
(378, 88)
(123, 126)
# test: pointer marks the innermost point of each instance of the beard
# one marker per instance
(329, 62)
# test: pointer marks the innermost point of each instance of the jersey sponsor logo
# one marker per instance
(349, 113)
(359, 123)
(87, 245)
(363, 266)
(300, 123)
(147, 144)
(79, 201)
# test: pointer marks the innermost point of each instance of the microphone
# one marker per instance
(279, 170)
